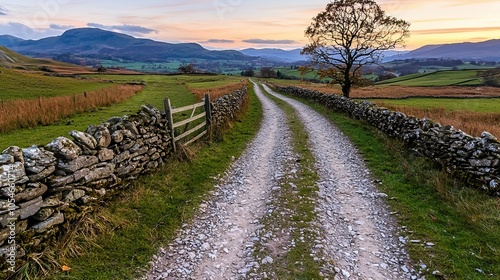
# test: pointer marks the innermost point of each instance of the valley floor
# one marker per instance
(247, 228)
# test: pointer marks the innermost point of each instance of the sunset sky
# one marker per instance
(237, 24)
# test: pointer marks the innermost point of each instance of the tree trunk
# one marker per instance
(346, 87)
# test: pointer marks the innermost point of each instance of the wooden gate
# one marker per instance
(207, 114)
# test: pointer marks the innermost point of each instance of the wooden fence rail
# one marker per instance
(207, 114)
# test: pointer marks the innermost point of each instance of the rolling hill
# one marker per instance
(13, 60)
(101, 44)
(9, 41)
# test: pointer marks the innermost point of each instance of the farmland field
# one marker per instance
(296, 73)
(439, 78)
(465, 108)
(472, 116)
(158, 87)
(399, 91)
(451, 104)
(24, 85)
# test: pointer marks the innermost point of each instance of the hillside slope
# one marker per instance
(14, 60)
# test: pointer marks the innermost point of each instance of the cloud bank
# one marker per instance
(25, 32)
(61, 27)
(219, 41)
(270, 42)
(133, 29)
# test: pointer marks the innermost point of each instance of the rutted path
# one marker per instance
(358, 231)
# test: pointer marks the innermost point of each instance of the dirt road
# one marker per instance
(358, 234)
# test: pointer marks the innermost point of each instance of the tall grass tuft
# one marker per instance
(219, 91)
(27, 113)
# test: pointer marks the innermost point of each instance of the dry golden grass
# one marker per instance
(473, 123)
(216, 92)
(43, 111)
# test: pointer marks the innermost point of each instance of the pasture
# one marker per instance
(157, 88)
(438, 78)
(471, 109)
(471, 115)
(482, 105)
(29, 85)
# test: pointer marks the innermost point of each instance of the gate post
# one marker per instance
(170, 122)
(208, 110)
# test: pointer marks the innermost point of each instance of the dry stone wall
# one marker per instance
(43, 189)
(476, 159)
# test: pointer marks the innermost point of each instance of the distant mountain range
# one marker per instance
(101, 44)
(94, 43)
(488, 50)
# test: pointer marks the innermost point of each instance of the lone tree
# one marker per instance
(187, 69)
(350, 34)
(101, 69)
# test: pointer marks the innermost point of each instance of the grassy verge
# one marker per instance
(293, 213)
(130, 229)
(464, 224)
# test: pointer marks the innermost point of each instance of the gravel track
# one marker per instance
(359, 234)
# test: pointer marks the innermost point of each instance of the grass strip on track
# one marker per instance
(293, 212)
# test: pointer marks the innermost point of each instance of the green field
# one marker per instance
(296, 73)
(212, 81)
(22, 85)
(158, 88)
(439, 78)
(143, 66)
(483, 105)
(210, 66)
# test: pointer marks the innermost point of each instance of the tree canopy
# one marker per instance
(350, 34)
